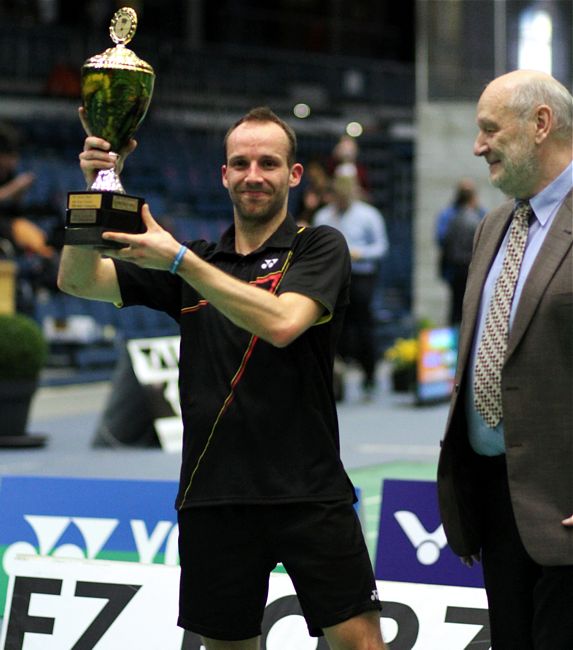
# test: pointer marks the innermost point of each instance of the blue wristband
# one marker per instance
(178, 259)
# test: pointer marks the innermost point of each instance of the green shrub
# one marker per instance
(23, 348)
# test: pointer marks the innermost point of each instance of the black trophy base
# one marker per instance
(89, 214)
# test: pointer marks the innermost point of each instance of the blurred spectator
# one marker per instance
(64, 81)
(365, 231)
(20, 238)
(47, 11)
(455, 229)
(99, 12)
(344, 162)
(314, 194)
(12, 183)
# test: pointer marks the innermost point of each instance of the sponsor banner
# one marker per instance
(61, 604)
(412, 545)
(87, 518)
(434, 617)
(155, 363)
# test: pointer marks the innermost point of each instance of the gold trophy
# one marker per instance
(116, 91)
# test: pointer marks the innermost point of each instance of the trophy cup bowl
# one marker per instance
(117, 87)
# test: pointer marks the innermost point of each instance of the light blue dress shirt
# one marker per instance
(483, 439)
(364, 229)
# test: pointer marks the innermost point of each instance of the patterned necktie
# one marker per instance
(493, 344)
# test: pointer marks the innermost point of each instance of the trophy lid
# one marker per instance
(122, 30)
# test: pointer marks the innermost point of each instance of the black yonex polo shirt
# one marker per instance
(260, 423)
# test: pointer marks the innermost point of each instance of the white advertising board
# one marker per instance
(75, 604)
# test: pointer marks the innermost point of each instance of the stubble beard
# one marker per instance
(519, 172)
(254, 214)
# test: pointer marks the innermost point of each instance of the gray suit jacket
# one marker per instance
(537, 395)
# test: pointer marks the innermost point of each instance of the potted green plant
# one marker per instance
(403, 358)
(23, 353)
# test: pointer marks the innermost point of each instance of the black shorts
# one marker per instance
(228, 552)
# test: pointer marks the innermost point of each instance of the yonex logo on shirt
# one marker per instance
(268, 264)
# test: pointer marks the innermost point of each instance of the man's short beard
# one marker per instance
(519, 173)
(254, 217)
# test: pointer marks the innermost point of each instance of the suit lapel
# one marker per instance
(553, 250)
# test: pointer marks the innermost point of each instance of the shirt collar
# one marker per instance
(549, 200)
(282, 237)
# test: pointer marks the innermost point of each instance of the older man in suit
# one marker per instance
(505, 476)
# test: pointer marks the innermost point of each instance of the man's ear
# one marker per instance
(543, 123)
(296, 173)
(224, 176)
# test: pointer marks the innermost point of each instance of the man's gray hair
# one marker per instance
(527, 96)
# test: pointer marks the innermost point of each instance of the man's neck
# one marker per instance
(553, 166)
(251, 235)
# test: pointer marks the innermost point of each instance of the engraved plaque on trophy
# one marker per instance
(116, 91)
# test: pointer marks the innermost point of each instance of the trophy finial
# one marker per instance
(123, 26)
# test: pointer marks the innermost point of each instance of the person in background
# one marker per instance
(23, 233)
(20, 238)
(455, 230)
(262, 480)
(504, 476)
(344, 161)
(314, 193)
(364, 229)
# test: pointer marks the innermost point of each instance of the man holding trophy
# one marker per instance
(260, 312)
